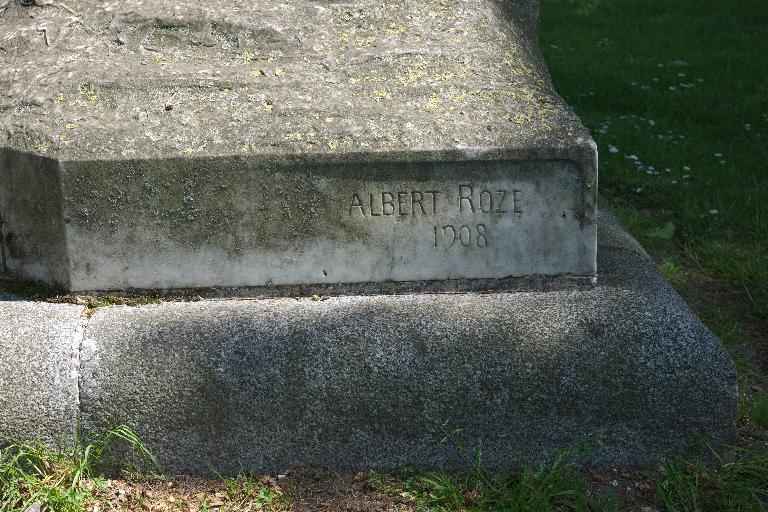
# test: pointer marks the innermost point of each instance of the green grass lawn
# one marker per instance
(676, 95)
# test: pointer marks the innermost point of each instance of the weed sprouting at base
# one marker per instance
(35, 476)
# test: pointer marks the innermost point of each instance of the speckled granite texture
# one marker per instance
(39, 361)
(369, 381)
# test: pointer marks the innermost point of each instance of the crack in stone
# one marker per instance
(76, 363)
(3, 257)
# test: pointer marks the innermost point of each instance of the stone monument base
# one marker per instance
(370, 381)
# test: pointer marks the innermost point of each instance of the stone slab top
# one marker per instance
(360, 80)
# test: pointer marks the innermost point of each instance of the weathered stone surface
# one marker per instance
(365, 381)
(39, 349)
(229, 146)
(128, 80)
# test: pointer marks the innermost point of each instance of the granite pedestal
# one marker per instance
(367, 381)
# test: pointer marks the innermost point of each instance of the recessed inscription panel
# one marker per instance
(501, 220)
(253, 226)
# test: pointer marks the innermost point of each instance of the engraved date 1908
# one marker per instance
(467, 236)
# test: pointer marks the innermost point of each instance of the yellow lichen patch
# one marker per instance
(445, 76)
(382, 95)
(345, 38)
(267, 105)
(160, 58)
(279, 72)
(365, 42)
(42, 145)
(294, 136)
(249, 56)
(87, 90)
(524, 118)
(333, 143)
(433, 102)
(395, 28)
(59, 98)
(328, 119)
(256, 72)
(69, 126)
(459, 96)
(411, 76)
(527, 94)
(188, 150)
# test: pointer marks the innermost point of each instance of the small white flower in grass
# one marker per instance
(681, 74)
(655, 79)
(686, 176)
(722, 162)
(700, 80)
(638, 190)
(652, 122)
(718, 155)
(633, 157)
(651, 168)
(667, 170)
(713, 212)
(613, 149)
(747, 126)
(674, 182)
(649, 172)
(659, 65)
(686, 168)
(672, 88)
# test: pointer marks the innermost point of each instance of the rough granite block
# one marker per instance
(39, 359)
(368, 381)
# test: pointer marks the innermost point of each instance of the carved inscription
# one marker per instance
(467, 236)
(482, 200)
(412, 202)
(464, 200)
